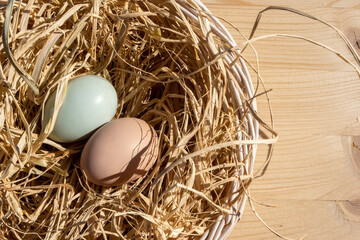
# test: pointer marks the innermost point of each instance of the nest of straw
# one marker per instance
(169, 68)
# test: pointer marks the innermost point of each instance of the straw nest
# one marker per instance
(177, 72)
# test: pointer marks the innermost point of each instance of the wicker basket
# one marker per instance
(240, 95)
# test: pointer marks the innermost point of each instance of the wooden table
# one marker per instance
(313, 181)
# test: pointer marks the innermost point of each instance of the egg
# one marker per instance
(119, 152)
(90, 101)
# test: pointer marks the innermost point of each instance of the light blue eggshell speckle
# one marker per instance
(90, 102)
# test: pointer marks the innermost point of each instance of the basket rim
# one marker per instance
(225, 223)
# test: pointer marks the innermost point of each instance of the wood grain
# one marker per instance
(310, 167)
(297, 218)
(285, 53)
(313, 179)
(313, 102)
(292, 3)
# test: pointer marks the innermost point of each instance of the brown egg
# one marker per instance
(119, 152)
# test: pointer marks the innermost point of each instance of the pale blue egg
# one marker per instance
(90, 102)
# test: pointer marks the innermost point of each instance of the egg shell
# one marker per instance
(90, 102)
(119, 152)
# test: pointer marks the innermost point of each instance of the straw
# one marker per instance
(174, 65)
